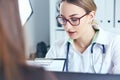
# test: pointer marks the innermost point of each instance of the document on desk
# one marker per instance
(49, 64)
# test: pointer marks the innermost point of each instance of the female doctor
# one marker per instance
(89, 49)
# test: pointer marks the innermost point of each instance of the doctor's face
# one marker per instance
(74, 19)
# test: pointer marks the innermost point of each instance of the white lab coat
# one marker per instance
(84, 62)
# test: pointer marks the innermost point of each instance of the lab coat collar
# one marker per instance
(102, 37)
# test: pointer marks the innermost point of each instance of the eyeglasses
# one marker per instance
(73, 21)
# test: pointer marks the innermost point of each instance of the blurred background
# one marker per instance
(41, 29)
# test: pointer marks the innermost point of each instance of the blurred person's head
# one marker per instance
(12, 51)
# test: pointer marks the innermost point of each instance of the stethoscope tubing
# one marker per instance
(103, 46)
(92, 47)
(68, 46)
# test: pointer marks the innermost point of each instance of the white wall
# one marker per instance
(37, 27)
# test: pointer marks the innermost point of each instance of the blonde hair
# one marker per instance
(87, 5)
(12, 51)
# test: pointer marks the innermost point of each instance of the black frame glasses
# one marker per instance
(73, 21)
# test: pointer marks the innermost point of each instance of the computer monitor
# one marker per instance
(85, 76)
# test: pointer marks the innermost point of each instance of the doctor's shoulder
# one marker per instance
(116, 39)
(115, 51)
(113, 39)
(60, 43)
(114, 36)
(57, 49)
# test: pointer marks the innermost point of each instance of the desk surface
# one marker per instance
(85, 76)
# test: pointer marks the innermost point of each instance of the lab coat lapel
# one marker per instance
(98, 66)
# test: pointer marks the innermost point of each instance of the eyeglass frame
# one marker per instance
(67, 20)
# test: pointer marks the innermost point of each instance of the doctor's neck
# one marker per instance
(85, 40)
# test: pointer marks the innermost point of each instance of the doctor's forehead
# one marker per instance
(67, 9)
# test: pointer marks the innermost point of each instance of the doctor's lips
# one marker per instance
(71, 32)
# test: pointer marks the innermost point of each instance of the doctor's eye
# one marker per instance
(61, 20)
(74, 20)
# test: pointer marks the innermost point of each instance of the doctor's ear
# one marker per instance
(92, 16)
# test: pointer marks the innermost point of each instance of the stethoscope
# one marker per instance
(92, 47)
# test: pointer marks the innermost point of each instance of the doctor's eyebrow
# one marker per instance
(70, 15)
(73, 15)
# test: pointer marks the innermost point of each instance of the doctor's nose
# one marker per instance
(68, 26)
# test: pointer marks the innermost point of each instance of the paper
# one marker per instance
(48, 64)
